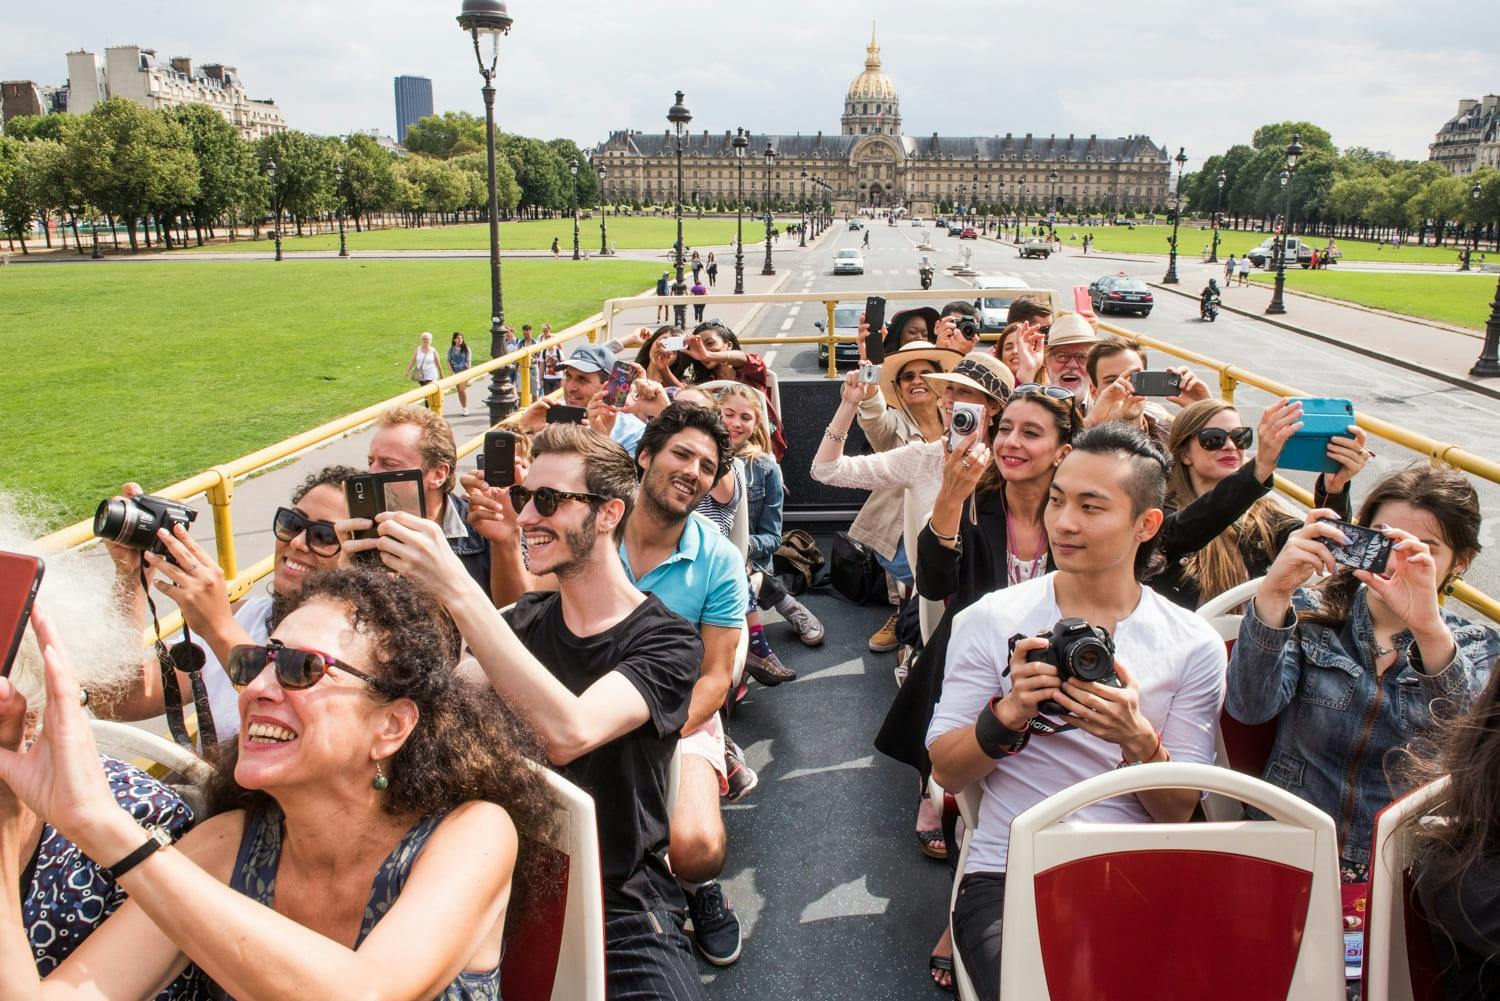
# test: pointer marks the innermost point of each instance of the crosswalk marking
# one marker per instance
(786, 324)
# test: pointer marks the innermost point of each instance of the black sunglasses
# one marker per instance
(1051, 392)
(321, 536)
(295, 669)
(1213, 439)
(546, 499)
(912, 375)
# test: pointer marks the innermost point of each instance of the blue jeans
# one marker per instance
(898, 567)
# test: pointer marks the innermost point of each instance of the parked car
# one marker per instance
(994, 302)
(1035, 246)
(848, 261)
(968, 233)
(845, 321)
(854, 225)
(1121, 294)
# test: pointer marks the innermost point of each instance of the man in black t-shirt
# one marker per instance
(604, 671)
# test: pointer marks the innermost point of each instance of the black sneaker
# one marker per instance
(715, 928)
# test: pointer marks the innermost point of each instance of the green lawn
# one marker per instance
(625, 233)
(154, 371)
(1462, 300)
(1147, 239)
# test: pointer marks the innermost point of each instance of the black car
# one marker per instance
(846, 353)
(1121, 294)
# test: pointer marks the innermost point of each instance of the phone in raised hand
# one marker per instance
(20, 579)
(1366, 549)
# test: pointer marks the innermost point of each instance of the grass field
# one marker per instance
(625, 233)
(155, 371)
(1462, 300)
(1191, 240)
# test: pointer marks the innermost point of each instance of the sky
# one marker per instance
(1385, 74)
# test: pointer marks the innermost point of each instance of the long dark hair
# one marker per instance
(1446, 494)
(467, 744)
(643, 356)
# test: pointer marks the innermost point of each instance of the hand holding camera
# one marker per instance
(854, 392)
(1350, 454)
(193, 580)
(1409, 587)
(966, 421)
(964, 467)
(1308, 551)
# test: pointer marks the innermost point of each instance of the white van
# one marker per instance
(993, 308)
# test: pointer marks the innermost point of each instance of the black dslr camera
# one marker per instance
(968, 326)
(133, 521)
(1077, 650)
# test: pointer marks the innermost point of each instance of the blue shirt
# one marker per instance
(627, 432)
(703, 580)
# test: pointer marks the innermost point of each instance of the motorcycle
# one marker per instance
(1208, 309)
(926, 275)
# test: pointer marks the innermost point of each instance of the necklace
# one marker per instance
(1016, 570)
(1381, 651)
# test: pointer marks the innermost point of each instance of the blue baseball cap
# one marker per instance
(591, 358)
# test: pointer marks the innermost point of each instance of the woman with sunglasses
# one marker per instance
(305, 542)
(368, 844)
(1213, 487)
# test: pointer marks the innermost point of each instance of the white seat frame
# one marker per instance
(580, 958)
(1386, 974)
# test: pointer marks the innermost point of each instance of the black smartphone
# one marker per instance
(1367, 549)
(499, 458)
(561, 414)
(875, 317)
(20, 579)
(1155, 383)
(368, 494)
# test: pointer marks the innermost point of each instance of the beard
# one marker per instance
(658, 496)
(580, 545)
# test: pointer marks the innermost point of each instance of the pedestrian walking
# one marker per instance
(1244, 270)
(459, 360)
(713, 270)
(1229, 270)
(556, 248)
(866, 242)
(663, 311)
(425, 367)
(698, 308)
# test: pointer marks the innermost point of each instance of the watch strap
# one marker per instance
(159, 838)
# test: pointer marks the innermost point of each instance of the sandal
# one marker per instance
(938, 965)
(933, 844)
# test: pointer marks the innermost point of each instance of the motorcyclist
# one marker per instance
(924, 271)
(1209, 296)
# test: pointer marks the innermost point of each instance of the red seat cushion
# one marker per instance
(1153, 925)
(533, 945)
(1247, 744)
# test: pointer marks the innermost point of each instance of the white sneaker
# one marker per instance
(466, 411)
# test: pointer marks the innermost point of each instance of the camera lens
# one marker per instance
(1090, 660)
(125, 522)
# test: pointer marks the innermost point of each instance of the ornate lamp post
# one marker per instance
(1474, 193)
(1051, 195)
(679, 116)
(1488, 364)
(1170, 278)
(275, 203)
(741, 143)
(489, 19)
(1213, 254)
(1020, 209)
(802, 225)
(601, 170)
(573, 170)
(770, 155)
(338, 177)
(1278, 302)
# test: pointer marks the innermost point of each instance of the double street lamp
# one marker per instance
(573, 170)
(275, 203)
(1488, 364)
(770, 155)
(679, 116)
(1213, 254)
(1051, 195)
(489, 19)
(741, 143)
(1170, 278)
(802, 225)
(1278, 300)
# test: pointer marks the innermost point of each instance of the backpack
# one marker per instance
(797, 561)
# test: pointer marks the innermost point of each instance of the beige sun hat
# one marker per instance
(909, 352)
(1071, 329)
(983, 373)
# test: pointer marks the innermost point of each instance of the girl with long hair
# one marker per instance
(459, 359)
(658, 364)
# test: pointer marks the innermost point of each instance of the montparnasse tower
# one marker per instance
(871, 105)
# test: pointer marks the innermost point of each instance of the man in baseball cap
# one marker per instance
(584, 373)
(1068, 348)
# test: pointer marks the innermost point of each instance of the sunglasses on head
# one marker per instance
(1051, 392)
(546, 499)
(1213, 439)
(321, 537)
(295, 669)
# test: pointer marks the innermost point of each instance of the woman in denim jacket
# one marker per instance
(1358, 665)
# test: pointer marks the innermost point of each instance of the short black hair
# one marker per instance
(679, 417)
(963, 306)
(328, 476)
(1145, 483)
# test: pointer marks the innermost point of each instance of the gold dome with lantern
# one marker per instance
(872, 106)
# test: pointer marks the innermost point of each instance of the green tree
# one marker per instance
(304, 183)
(438, 135)
(369, 183)
(28, 127)
(506, 188)
(135, 163)
(225, 163)
(17, 209)
(587, 184)
(540, 173)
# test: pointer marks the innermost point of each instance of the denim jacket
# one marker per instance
(766, 495)
(1336, 721)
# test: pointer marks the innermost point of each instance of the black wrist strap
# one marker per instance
(154, 844)
(996, 740)
(187, 657)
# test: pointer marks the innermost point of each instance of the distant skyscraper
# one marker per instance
(413, 101)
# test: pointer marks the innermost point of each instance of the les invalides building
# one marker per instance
(872, 163)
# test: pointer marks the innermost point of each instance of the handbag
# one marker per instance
(856, 574)
(797, 561)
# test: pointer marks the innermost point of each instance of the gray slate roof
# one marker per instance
(822, 145)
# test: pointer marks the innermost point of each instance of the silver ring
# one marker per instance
(968, 463)
(83, 696)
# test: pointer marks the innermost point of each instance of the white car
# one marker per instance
(995, 298)
(848, 261)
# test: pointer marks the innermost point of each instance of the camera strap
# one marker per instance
(187, 657)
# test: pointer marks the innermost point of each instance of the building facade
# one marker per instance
(27, 97)
(413, 102)
(1470, 139)
(872, 163)
(134, 73)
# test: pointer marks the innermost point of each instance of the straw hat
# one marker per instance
(1071, 329)
(983, 373)
(943, 358)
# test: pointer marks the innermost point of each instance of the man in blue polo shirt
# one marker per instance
(676, 554)
(584, 374)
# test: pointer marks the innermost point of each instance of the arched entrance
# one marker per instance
(877, 195)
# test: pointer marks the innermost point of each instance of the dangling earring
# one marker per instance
(380, 783)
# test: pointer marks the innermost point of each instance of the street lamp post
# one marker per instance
(679, 116)
(601, 170)
(573, 170)
(1020, 208)
(489, 18)
(770, 155)
(1488, 364)
(1051, 196)
(1213, 254)
(338, 176)
(1170, 278)
(1278, 301)
(741, 143)
(802, 206)
(275, 203)
(1470, 251)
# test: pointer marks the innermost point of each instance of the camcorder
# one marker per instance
(133, 522)
(1077, 650)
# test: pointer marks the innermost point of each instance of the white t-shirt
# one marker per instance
(1175, 657)
(427, 365)
(254, 616)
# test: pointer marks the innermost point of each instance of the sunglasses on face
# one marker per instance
(321, 537)
(1213, 439)
(1051, 392)
(546, 499)
(912, 375)
(295, 669)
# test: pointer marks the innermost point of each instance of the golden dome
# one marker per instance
(872, 84)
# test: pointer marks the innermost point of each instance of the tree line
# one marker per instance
(1350, 193)
(182, 174)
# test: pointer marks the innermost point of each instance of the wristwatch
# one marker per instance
(157, 839)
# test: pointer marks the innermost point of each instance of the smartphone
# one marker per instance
(368, 494)
(676, 342)
(875, 317)
(617, 387)
(20, 579)
(499, 458)
(1367, 549)
(967, 418)
(1155, 383)
(561, 414)
(1082, 304)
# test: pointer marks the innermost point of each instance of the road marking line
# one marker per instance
(794, 310)
(786, 325)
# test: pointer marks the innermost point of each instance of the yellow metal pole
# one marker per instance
(525, 395)
(220, 498)
(1227, 383)
(833, 364)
